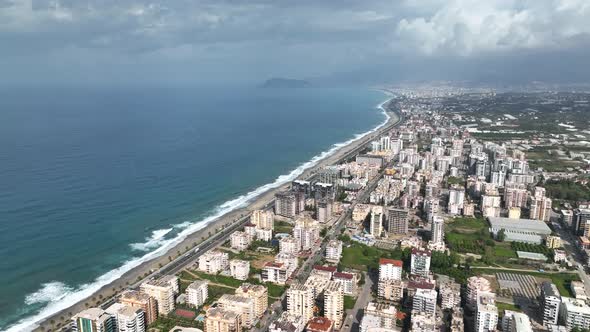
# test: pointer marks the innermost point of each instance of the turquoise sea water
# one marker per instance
(95, 178)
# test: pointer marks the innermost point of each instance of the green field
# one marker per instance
(283, 227)
(506, 306)
(503, 250)
(361, 257)
(349, 302)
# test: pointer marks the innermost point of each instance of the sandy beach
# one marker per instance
(140, 272)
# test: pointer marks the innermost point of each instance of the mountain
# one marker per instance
(278, 82)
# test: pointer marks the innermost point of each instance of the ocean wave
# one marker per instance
(51, 291)
(78, 294)
(154, 241)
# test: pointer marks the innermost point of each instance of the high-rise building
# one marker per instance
(324, 210)
(456, 200)
(258, 293)
(450, 295)
(289, 245)
(220, 319)
(515, 195)
(476, 285)
(289, 203)
(263, 219)
(540, 208)
(128, 319)
(486, 318)
(143, 301)
(580, 219)
(213, 261)
(425, 301)
(550, 302)
(437, 229)
(334, 251)
(420, 264)
(575, 313)
(197, 293)
(94, 320)
(240, 304)
(300, 301)
(334, 303)
(163, 290)
(397, 221)
(376, 223)
(390, 269)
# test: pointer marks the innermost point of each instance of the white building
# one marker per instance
(98, 318)
(289, 245)
(420, 264)
(197, 293)
(263, 219)
(425, 301)
(240, 240)
(390, 269)
(274, 272)
(347, 280)
(258, 293)
(163, 290)
(334, 251)
(486, 318)
(300, 301)
(239, 269)
(378, 316)
(334, 303)
(550, 303)
(476, 285)
(575, 313)
(213, 262)
(239, 304)
(450, 295)
(128, 319)
(264, 234)
(516, 322)
(437, 229)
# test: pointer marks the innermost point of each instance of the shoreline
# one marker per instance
(199, 232)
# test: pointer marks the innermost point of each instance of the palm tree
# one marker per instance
(86, 305)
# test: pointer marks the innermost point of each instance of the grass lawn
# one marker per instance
(349, 302)
(282, 227)
(360, 257)
(219, 279)
(275, 290)
(467, 225)
(502, 249)
(215, 293)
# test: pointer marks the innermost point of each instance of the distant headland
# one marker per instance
(277, 82)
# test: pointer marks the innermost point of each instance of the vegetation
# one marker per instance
(467, 235)
(455, 180)
(166, 323)
(283, 227)
(537, 248)
(349, 302)
(567, 190)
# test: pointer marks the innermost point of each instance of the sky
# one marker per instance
(341, 41)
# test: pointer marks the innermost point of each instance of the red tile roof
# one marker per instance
(319, 324)
(325, 268)
(343, 275)
(384, 261)
(273, 264)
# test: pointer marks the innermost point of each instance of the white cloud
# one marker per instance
(468, 27)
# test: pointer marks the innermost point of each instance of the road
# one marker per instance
(354, 316)
(574, 254)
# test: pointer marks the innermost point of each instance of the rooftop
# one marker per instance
(519, 225)
(385, 261)
(319, 324)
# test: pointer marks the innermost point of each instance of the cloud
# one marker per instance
(295, 38)
(467, 27)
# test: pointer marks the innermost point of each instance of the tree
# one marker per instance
(501, 236)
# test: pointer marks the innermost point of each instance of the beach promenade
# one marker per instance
(215, 233)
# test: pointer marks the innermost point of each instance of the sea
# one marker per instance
(95, 180)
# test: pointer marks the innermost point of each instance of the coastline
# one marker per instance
(131, 272)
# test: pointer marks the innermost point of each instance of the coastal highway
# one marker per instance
(186, 259)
